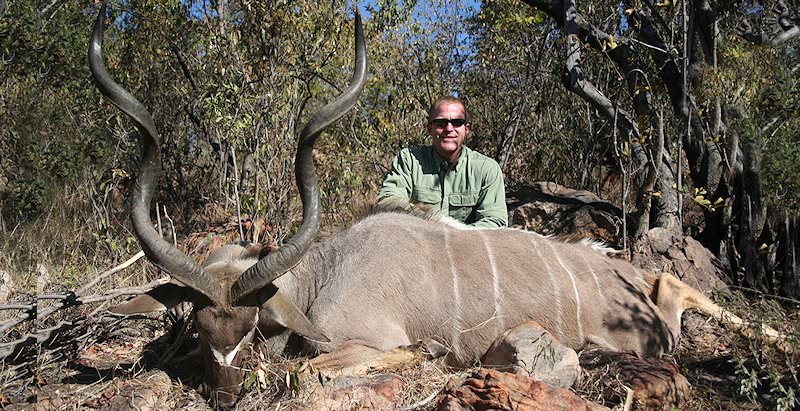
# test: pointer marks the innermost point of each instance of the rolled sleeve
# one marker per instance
(491, 211)
(398, 182)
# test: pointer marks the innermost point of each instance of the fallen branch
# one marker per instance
(16, 307)
(107, 296)
(13, 351)
(110, 272)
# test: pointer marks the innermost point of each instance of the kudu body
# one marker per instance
(394, 279)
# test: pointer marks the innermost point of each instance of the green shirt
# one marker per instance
(470, 191)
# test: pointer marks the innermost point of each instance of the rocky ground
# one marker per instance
(124, 372)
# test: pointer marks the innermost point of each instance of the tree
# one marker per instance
(684, 53)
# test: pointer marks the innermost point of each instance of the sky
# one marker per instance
(421, 10)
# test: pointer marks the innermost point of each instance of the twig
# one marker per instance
(158, 220)
(421, 403)
(118, 292)
(236, 192)
(15, 322)
(65, 300)
(112, 271)
(77, 297)
(171, 227)
(16, 307)
(52, 296)
(624, 183)
(628, 399)
(257, 203)
(763, 294)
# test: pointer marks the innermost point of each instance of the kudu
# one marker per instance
(231, 293)
(395, 279)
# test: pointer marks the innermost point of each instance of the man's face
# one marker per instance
(448, 137)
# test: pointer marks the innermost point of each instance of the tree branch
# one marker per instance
(787, 27)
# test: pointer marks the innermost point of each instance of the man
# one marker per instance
(459, 182)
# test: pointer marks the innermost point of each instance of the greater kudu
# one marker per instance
(231, 293)
(394, 279)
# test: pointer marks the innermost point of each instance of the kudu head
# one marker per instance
(234, 285)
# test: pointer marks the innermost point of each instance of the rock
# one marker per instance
(496, 390)
(530, 350)
(6, 286)
(684, 257)
(552, 209)
(374, 392)
(42, 278)
(657, 383)
(47, 403)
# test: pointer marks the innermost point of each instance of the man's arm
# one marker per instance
(398, 183)
(491, 210)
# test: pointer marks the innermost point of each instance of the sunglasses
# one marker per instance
(442, 122)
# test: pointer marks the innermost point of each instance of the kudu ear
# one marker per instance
(161, 298)
(283, 311)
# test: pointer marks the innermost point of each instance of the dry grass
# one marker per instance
(716, 362)
(54, 254)
(730, 371)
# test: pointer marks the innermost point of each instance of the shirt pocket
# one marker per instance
(430, 197)
(462, 206)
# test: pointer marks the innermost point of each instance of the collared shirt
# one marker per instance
(470, 191)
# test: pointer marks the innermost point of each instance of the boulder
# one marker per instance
(492, 389)
(530, 350)
(552, 209)
(373, 392)
(684, 257)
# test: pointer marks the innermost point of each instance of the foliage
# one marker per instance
(229, 84)
(44, 104)
(764, 100)
(526, 120)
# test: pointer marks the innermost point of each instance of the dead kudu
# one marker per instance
(394, 279)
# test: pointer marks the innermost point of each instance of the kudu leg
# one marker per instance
(674, 296)
(354, 358)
